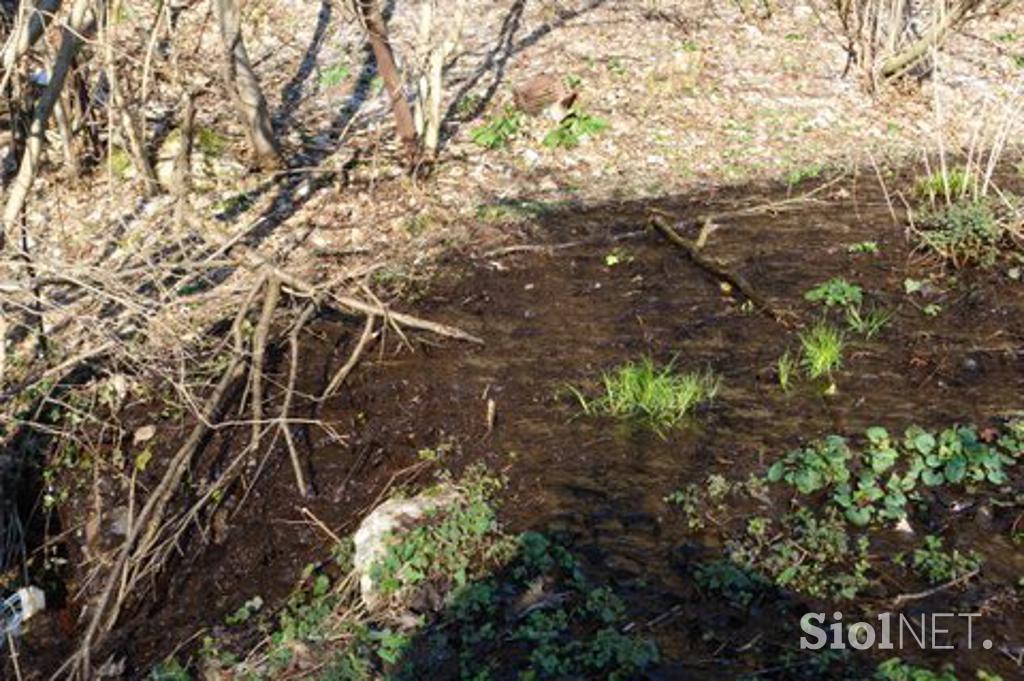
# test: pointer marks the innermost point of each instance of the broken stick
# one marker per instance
(718, 270)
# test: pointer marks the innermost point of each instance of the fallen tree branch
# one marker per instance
(353, 359)
(293, 344)
(251, 259)
(271, 296)
(719, 270)
(907, 598)
(104, 613)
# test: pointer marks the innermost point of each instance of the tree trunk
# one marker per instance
(901, 62)
(377, 34)
(244, 89)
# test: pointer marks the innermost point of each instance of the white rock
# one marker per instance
(392, 517)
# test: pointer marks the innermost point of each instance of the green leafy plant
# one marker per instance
(565, 626)
(836, 292)
(334, 75)
(803, 173)
(712, 500)
(962, 233)
(495, 589)
(809, 553)
(896, 669)
(933, 563)
(449, 545)
(655, 396)
(822, 347)
(878, 482)
(958, 455)
(170, 670)
(912, 286)
(815, 467)
(726, 579)
(573, 129)
(870, 247)
(244, 613)
(499, 130)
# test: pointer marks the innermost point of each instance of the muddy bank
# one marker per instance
(581, 292)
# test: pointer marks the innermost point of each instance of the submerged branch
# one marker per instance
(720, 271)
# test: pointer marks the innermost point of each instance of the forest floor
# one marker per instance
(705, 110)
(696, 96)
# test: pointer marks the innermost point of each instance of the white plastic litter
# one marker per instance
(19, 607)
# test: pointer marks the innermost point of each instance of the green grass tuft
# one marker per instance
(867, 323)
(822, 349)
(656, 396)
(786, 368)
(949, 185)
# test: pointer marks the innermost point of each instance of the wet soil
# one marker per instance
(558, 317)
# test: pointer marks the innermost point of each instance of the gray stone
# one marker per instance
(388, 520)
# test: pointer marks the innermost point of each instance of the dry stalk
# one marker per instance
(286, 429)
(271, 297)
(346, 368)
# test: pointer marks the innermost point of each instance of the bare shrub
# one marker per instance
(889, 39)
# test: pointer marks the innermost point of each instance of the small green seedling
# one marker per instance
(573, 129)
(334, 75)
(617, 256)
(498, 131)
(936, 565)
(244, 613)
(836, 292)
(931, 310)
(786, 369)
(863, 247)
(802, 173)
(912, 286)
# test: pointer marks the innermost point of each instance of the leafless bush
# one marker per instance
(889, 39)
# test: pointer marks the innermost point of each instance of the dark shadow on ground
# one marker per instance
(291, 95)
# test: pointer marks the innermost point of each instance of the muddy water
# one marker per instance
(552, 319)
(556, 319)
